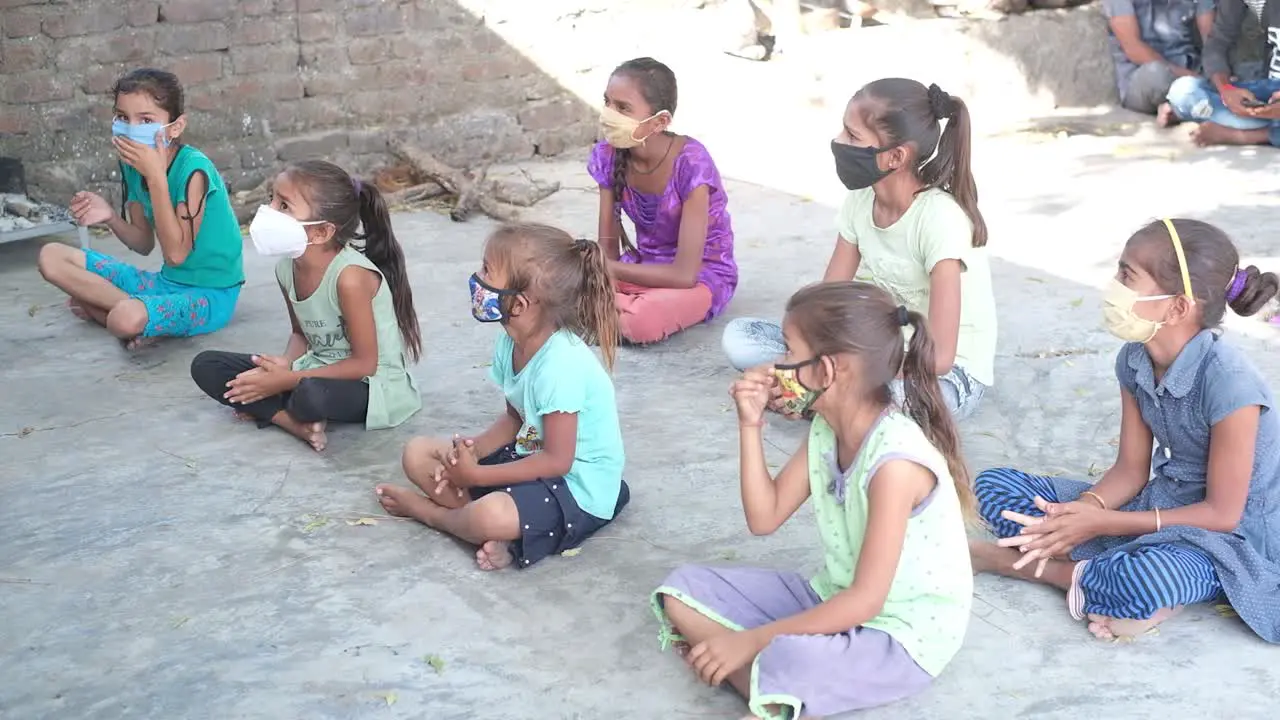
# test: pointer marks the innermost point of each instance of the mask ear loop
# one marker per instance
(1182, 260)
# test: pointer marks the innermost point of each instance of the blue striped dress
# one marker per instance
(1131, 577)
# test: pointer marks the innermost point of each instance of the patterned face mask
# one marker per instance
(486, 301)
(796, 397)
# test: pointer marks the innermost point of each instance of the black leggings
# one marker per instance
(313, 400)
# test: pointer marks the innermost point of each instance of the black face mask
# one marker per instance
(856, 166)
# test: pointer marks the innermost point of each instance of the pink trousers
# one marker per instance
(648, 315)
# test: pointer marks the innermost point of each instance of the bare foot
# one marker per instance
(398, 501)
(494, 555)
(311, 433)
(87, 312)
(315, 435)
(77, 309)
(1165, 116)
(1109, 628)
(139, 343)
(1210, 133)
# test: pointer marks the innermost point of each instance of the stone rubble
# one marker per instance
(18, 212)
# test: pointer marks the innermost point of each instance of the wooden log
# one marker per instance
(245, 203)
(499, 211)
(472, 190)
(427, 165)
(523, 195)
(469, 194)
(414, 194)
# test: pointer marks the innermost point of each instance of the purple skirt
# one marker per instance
(819, 674)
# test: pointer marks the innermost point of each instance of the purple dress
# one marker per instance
(657, 217)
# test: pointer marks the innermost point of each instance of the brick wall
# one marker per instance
(269, 81)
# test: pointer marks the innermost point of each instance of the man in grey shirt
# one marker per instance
(1233, 112)
(1154, 42)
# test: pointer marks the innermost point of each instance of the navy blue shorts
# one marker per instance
(551, 521)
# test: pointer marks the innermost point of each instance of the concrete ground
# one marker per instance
(163, 561)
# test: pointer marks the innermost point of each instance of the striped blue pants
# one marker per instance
(1131, 584)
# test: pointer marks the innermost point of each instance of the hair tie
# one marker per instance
(1237, 285)
(903, 316)
(940, 103)
(355, 185)
(581, 244)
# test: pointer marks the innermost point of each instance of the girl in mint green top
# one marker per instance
(355, 330)
(888, 608)
(548, 471)
(174, 198)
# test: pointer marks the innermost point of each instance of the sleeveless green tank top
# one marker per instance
(216, 252)
(927, 609)
(393, 393)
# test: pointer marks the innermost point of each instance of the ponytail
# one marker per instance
(1258, 290)
(924, 404)
(621, 159)
(596, 313)
(950, 170)
(382, 248)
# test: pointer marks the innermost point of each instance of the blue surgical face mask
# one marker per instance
(142, 133)
(486, 301)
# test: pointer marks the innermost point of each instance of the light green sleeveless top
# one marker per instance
(393, 393)
(927, 609)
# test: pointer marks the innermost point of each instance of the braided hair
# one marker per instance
(657, 84)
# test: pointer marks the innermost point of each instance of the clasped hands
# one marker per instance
(272, 376)
(1057, 532)
(457, 467)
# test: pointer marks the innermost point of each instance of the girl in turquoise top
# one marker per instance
(548, 472)
(355, 330)
(174, 197)
(889, 607)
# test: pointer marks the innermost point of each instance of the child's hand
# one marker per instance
(90, 208)
(751, 394)
(445, 491)
(266, 380)
(719, 656)
(272, 362)
(151, 163)
(463, 462)
(1062, 527)
(777, 403)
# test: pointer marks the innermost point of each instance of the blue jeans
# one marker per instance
(1195, 99)
(751, 342)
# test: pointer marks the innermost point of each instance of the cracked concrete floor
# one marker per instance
(160, 560)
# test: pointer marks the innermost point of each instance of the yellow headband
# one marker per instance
(1182, 260)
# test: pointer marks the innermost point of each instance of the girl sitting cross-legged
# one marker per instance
(354, 327)
(680, 270)
(1201, 516)
(889, 607)
(548, 471)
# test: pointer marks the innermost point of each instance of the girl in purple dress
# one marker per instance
(680, 270)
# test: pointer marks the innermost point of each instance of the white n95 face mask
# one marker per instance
(276, 234)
